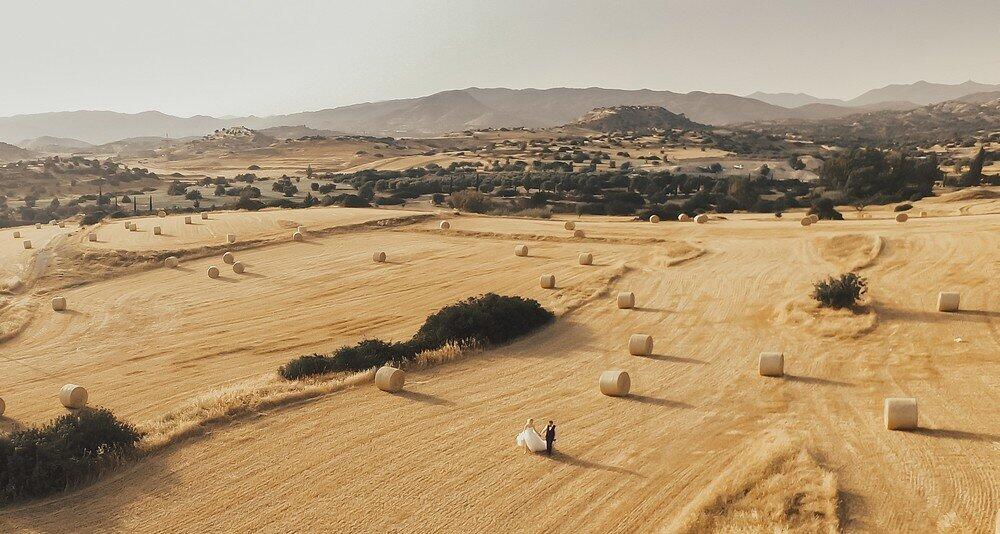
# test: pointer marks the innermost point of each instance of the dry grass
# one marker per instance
(777, 487)
(263, 393)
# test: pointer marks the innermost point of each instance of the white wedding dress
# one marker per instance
(530, 437)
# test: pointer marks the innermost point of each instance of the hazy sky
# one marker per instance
(264, 57)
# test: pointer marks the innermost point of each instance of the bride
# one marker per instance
(529, 438)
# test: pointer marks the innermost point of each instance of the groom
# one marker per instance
(550, 436)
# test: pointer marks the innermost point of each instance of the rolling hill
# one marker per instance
(634, 119)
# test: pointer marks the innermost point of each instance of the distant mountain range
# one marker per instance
(950, 121)
(458, 110)
(915, 95)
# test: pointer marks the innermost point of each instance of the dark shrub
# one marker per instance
(842, 292)
(354, 201)
(823, 208)
(92, 218)
(484, 320)
(903, 207)
(315, 364)
(489, 319)
(66, 451)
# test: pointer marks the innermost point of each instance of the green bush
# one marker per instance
(823, 208)
(485, 320)
(68, 450)
(841, 292)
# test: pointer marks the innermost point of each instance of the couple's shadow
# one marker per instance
(564, 458)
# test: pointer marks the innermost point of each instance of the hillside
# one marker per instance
(443, 112)
(54, 144)
(13, 153)
(943, 122)
(634, 119)
(921, 92)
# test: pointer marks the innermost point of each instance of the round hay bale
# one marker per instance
(701, 219)
(569, 225)
(171, 262)
(771, 364)
(297, 236)
(379, 257)
(2, 407)
(229, 258)
(161, 214)
(923, 214)
(187, 220)
(948, 302)
(230, 238)
(239, 268)
(640, 345)
(27, 244)
(653, 219)
(547, 281)
(444, 225)
(17, 235)
(521, 250)
(59, 304)
(615, 383)
(73, 396)
(900, 413)
(213, 272)
(204, 215)
(62, 224)
(128, 225)
(684, 217)
(578, 233)
(901, 217)
(626, 300)
(92, 238)
(814, 217)
(390, 379)
(38, 226)
(806, 221)
(586, 258)
(133, 227)
(157, 230)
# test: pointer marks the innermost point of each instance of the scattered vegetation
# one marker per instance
(840, 292)
(70, 449)
(485, 320)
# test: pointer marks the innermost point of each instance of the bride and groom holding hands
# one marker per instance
(533, 442)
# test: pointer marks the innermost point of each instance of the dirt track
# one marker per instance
(441, 456)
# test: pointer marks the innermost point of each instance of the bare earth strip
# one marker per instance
(441, 456)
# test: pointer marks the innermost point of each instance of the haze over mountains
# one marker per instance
(457, 110)
(916, 94)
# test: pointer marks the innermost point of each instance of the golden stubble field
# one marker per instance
(702, 444)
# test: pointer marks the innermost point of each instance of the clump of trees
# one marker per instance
(876, 176)
(485, 320)
(72, 448)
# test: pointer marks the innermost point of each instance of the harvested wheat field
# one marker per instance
(702, 443)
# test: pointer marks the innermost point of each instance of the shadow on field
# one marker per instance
(979, 313)
(564, 458)
(817, 381)
(648, 310)
(923, 316)
(677, 359)
(425, 398)
(645, 399)
(100, 506)
(958, 434)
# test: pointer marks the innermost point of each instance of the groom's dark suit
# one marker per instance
(550, 436)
